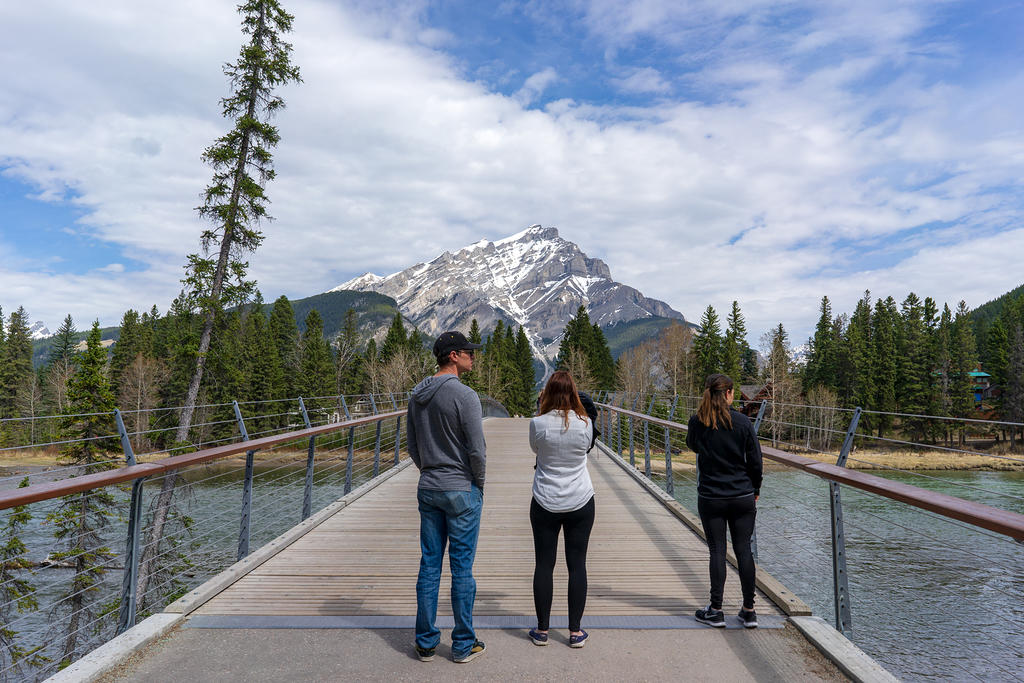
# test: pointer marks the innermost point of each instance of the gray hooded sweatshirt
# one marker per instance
(446, 435)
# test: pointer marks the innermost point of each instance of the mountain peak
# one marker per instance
(534, 278)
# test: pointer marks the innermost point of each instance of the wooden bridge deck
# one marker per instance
(362, 562)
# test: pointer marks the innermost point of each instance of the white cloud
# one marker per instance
(642, 80)
(765, 193)
(535, 85)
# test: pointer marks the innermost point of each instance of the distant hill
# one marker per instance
(982, 316)
(41, 347)
(375, 311)
(627, 334)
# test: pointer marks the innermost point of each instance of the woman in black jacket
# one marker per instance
(728, 486)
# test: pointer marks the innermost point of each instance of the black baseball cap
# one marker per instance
(453, 341)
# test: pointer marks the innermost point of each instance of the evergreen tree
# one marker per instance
(235, 201)
(127, 346)
(585, 354)
(16, 366)
(944, 364)
(734, 345)
(225, 379)
(16, 592)
(707, 345)
(858, 376)
(524, 367)
(577, 335)
(81, 516)
(285, 334)
(1013, 396)
(317, 364)
(963, 361)
(883, 361)
(394, 339)
(60, 363)
(472, 378)
(749, 367)
(263, 375)
(602, 365)
(822, 361)
(63, 349)
(915, 364)
(997, 351)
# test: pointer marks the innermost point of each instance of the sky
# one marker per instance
(706, 150)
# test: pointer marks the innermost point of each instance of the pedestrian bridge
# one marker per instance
(335, 597)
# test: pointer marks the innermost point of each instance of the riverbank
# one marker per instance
(871, 460)
(39, 462)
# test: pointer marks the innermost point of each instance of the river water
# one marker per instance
(931, 598)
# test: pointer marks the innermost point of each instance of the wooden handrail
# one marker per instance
(977, 514)
(65, 487)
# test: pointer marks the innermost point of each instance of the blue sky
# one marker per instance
(707, 150)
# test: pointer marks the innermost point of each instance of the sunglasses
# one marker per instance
(468, 352)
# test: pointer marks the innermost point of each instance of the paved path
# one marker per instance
(306, 614)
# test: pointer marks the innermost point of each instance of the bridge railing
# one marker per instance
(895, 553)
(88, 548)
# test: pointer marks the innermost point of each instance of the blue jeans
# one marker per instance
(453, 518)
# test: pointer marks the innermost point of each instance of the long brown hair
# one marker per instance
(560, 394)
(714, 408)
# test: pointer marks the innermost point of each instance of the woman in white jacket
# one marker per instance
(563, 499)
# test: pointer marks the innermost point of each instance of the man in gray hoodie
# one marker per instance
(446, 442)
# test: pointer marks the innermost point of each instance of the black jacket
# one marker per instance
(591, 408)
(728, 460)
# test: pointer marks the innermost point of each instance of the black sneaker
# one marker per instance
(474, 652)
(711, 617)
(748, 619)
(426, 654)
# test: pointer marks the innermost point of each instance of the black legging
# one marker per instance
(577, 525)
(739, 514)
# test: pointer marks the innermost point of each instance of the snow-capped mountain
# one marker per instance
(533, 278)
(39, 331)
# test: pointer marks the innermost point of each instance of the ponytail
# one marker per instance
(714, 408)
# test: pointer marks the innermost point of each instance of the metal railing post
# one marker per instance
(129, 585)
(307, 493)
(376, 443)
(670, 484)
(760, 416)
(840, 579)
(244, 527)
(757, 427)
(398, 430)
(618, 432)
(605, 421)
(351, 448)
(376, 451)
(632, 458)
(647, 440)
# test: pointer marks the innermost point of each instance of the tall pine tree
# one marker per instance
(734, 345)
(285, 334)
(317, 364)
(80, 518)
(707, 345)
